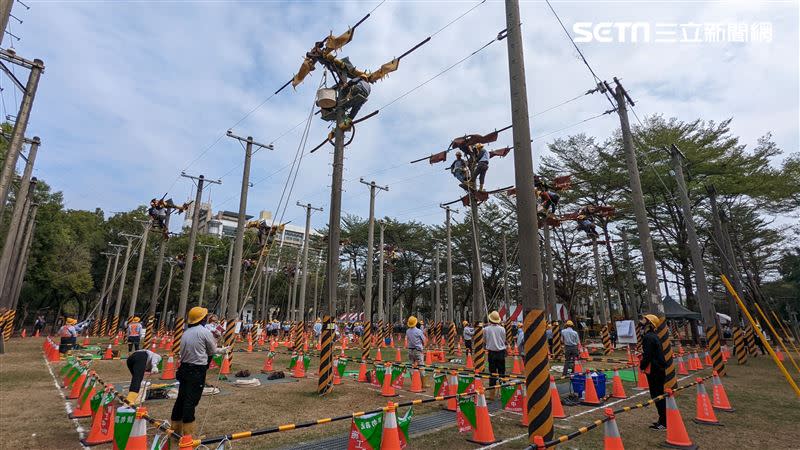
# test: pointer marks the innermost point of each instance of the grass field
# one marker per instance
(33, 414)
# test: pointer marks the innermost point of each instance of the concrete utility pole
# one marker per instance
(291, 302)
(21, 124)
(19, 276)
(226, 281)
(506, 301)
(123, 275)
(707, 310)
(238, 244)
(634, 300)
(114, 277)
(14, 234)
(103, 297)
(449, 313)
(207, 248)
(306, 237)
(550, 272)
(381, 257)
(540, 416)
(163, 322)
(138, 275)
(598, 275)
(370, 247)
(14, 245)
(349, 288)
(437, 311)
(479, 310)
(189, 261)
(316, 284)
(654, 303)
(151, 308)
(5, 14)
(726, 260)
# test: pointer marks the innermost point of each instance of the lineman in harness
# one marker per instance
(585, 221)
(160, 210)
(352, 94)
(480, 163)
(460, 170)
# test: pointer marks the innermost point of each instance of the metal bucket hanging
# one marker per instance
(326, 98)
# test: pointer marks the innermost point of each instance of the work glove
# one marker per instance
(154, 371)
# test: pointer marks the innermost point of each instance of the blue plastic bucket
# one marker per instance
(599, 379)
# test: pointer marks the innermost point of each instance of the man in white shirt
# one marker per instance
(495, 336)
(570, 341)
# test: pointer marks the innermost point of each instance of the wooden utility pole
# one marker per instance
(306, 238)
(163, 322)
(19, 275)
(207, 248)
(183, 300)
(634, 301)
(238, 243)
(707, 310)
(450, 317)
(540, 416)
(506, 296)
(437, 306)
(14, 234)
(137, 277)
(479, 311)
(21, 123)
(370, 248)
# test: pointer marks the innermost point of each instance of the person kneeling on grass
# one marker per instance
(140, 362)
(197, 347)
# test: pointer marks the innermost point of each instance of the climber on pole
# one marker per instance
(549, 200)
(460, 170)
(585, 221)
(480, 161)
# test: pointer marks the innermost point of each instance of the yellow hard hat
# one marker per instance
(136, 319)
(71, 321)
(318, 320)
(464, 323)
(569, 323)
(494, 317)
(653, 319)
(412, 322)
(197, 314)
(422, 322)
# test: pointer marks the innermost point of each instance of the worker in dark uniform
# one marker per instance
(197, 347)
(140, 362)
(654, 365)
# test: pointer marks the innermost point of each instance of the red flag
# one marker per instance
(438, 157)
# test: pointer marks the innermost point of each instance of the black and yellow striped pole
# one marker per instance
(149, 330)
(366, 341)
(509, 333)
(177, 334)
(8, 324)
(751, 341)
(606, 337)
(479, 346)
(114, 326)
(670, 381)
(558, 349)
(537, 376)
(103, 327)
(739, 347)
(714, 349)
(325, 382)
(451, 337)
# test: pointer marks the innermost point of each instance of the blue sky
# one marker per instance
(134, 92)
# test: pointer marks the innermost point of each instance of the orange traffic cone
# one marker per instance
(428, 358)
(299, 367)
(416, 380)
(452, 390)
(459, 353)
(779, 354)
(169, 369)
(388, 387)
(273, 346)
(697, 363)
(682, 366)
(390, 438)
(249, 345)
(677, 437)
(226, 365)
(641, 381)
(85, 339)
(397, 357)
(102, 430)
(83, 408)
(362, 372)
(708, 361)
(589, 392)
(720, 401)
(378, 356)
(617, 390)
(109, 354)
(337, 380)
(77, 385)
(517, 369)
(578, 368)
(482, 433)
(524, 419)
(611, 439)
(267, 364)
(137, 440)
(470, 363)
(36, 334)
(705, 413)
(557, 408)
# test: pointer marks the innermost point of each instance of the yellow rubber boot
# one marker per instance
(132, 398)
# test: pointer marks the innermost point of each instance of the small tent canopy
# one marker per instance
(673, 310)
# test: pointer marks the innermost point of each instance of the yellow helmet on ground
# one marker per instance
(569, 323)
(494, 317)
(412, 322)
(197, 314)
(653, 319)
